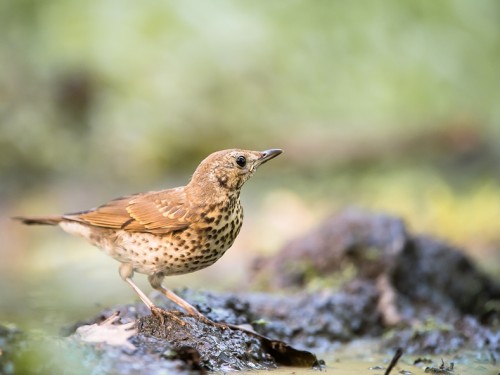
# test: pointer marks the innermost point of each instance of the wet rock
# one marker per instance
(428, 292)
(203, 345)
(432, 272)
(319, 320)
(442, 369)
(219, 349)
(369, 242)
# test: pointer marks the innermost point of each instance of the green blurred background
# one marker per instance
(387, 105)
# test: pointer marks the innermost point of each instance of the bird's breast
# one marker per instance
(179, 252)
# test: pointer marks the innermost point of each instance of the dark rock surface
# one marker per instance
(424, 294)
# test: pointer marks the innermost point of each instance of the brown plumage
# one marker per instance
(173, 231)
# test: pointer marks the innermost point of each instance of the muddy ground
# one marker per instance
(357, 275)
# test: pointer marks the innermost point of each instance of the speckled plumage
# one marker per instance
(172, 253)
(173, 231)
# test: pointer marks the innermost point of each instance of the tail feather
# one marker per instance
(39, 220)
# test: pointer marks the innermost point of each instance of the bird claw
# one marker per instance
(174, 315)
(162, 313)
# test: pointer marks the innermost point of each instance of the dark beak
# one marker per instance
(268, 155)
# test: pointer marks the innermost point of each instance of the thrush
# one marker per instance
(174, 231)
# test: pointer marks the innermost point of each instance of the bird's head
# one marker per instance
(230, 169)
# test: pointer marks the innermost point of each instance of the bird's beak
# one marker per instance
(268, 155)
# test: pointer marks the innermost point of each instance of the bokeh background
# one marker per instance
(386, 105)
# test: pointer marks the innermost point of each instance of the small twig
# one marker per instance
(394, 360)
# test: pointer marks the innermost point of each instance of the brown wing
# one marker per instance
(155, 212)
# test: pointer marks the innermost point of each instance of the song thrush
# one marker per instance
(173, 231)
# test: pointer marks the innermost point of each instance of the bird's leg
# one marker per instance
(141, 294)
(126, 272)
(155, 281)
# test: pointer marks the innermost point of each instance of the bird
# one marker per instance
(173, 231)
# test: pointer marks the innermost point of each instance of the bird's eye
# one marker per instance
(241, 161)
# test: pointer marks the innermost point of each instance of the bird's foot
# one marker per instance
(162, 313)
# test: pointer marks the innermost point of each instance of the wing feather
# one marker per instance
(155, 212)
